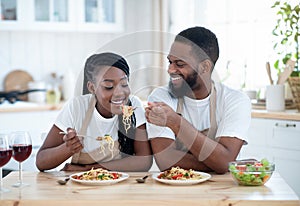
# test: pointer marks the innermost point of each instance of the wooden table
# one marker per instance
(219, 190)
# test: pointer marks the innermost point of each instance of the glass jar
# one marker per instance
(53, 94)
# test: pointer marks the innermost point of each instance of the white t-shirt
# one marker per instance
(233, 112)
(73, 114)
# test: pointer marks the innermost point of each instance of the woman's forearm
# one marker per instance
(50, 158)
(127, 164)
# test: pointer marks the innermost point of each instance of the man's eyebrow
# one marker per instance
(177, 61)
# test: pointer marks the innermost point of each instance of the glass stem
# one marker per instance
(20, 173)
(1, 183)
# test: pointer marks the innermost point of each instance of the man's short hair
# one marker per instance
(201, 39)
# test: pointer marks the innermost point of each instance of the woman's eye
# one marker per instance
(108, 86)
(124, 83)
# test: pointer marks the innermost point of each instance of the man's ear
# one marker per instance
(205, 66)
(91, 87)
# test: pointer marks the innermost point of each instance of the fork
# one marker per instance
(86, 136)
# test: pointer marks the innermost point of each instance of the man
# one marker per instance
(193, 122)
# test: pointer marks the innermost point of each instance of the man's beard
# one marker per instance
(187, 86)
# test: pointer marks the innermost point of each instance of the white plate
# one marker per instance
(205, 176)
(100, 182)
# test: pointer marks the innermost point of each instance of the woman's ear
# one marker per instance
(91, 87)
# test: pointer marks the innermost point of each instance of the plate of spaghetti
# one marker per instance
(99, 177)
(179, 176)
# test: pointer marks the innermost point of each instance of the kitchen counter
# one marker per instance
(21, 106)
(219, 190)
(285, 115)
(32, 107)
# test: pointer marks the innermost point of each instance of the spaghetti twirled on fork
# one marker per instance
(127, 112)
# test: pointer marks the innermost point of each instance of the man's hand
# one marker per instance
(161, 114)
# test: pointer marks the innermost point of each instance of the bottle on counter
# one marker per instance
(53, 94)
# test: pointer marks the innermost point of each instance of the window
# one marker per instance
(244, 30)
(8, 10)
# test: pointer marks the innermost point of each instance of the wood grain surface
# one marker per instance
(286, 115)
(219, 190)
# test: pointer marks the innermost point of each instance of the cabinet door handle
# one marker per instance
(285, 125)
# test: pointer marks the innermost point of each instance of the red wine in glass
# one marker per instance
(5, 155)
(22, 148)
(21, 152)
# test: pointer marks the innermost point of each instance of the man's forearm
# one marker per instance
(172, 157)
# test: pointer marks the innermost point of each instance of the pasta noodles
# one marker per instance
(110, 142)
(98, 174)
(177, 173)
(127, 112)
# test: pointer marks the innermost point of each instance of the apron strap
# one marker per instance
(212, 112)
(179, 105)
(85, 124)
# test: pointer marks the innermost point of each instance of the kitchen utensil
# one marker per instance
(17, 80)
(283, 76)
(275, 100)
(63, 182)
(14, 96)
(81, 135)
(269, 72)
(142, 180)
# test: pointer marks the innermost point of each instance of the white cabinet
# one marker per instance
(62, 15)
(37, 123)
(258, 142)
(100, 15)
(10, 13)
(279, 141)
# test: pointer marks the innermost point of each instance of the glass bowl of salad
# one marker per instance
(251, 173)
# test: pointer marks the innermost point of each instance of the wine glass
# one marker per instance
(21, 146)
(5, 155)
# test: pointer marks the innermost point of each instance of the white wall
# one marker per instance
(41, 53)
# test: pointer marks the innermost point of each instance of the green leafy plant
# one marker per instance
(287, 34)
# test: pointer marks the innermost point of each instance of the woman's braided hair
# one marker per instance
(92, 66)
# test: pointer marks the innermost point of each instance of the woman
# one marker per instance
(97, 114)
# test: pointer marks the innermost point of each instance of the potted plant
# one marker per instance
(287, 34)
(287, 37)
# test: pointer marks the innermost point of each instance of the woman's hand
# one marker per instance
(73, 143)
(161, 114)
(73, 167)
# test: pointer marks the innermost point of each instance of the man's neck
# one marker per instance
(200, 93)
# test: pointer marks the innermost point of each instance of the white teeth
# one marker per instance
(117, 102)
(175, 78)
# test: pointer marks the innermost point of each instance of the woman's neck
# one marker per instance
(103, 112)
